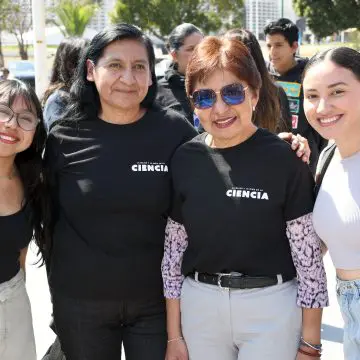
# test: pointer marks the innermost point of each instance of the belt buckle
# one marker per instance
(220, 276)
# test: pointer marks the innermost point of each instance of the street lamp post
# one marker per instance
(39, 41)
(282, 8)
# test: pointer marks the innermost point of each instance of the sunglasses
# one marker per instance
(233, 94)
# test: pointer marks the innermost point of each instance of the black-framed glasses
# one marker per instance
(233, 94)
(26, 120)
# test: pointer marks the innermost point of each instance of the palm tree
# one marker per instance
(75, 15)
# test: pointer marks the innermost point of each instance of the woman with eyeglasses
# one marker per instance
(241, 230)
(108, 162)
(22, 140)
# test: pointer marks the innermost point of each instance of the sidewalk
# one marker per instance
(41, 309)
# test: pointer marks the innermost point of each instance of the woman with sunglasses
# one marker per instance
(22, 139)
(241, 228)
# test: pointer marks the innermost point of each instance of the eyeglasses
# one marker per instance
(233, 94)
(26, 120)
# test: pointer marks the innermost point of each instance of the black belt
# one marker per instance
(239, 281)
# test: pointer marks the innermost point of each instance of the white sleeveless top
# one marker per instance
(336, 215)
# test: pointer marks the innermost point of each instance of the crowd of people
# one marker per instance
(186, 217)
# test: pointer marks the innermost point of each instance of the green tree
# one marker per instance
(4, 6)
(74, 15)
(18, 21)
(325, 17)
(161, 16)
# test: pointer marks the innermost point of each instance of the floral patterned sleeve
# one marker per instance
(176, 242)
(306, 253)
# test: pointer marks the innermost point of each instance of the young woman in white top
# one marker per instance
(331, 89)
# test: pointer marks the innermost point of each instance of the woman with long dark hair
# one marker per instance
(331, 103)
(22, 198)
(56, 95)
(108, 163)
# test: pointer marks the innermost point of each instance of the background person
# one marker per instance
(171, 91)
(255, 234)
(108, 165)
(331, 104)
(4, 73)
(22, 139)
(56, 96)
(282, 43)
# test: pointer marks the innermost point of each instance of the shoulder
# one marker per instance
(172, 121)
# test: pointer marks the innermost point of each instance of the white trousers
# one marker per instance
(251, 324)
(16, 330)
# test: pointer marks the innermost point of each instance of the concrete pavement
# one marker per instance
(41, 309)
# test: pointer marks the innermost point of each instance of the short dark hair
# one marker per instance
(179, 34)
(283, 27)
(344, 57)
(84, 97)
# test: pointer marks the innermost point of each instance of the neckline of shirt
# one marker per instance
(249, 140)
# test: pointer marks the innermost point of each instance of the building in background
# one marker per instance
(101, 18)
(258, 13)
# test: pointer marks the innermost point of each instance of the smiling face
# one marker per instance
(229, 125)
(331, 101)
(183, 54)
(122, 75)
(281, 54)
(14, 139)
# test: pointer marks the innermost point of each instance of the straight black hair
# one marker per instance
(179, 34)
(84, 97)
(66, 59)
(283, 27)
(342, 56)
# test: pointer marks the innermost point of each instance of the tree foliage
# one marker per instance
(17, 20)
(74, 15)
(161, 16)
(325, 17)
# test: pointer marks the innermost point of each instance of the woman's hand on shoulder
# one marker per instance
(298, 144)
(177, 350)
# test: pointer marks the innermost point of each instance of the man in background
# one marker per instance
(282, 42)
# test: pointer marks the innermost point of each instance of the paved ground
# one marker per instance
(41, 308)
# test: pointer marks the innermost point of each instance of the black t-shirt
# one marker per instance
(235, 202)
(112, 192)
(16, 233)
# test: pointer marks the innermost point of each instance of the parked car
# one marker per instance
(23, 70)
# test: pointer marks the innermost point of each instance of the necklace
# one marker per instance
(11, 176)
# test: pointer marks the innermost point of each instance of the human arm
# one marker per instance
(312, 294)
(22, 258)
(174, 248)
